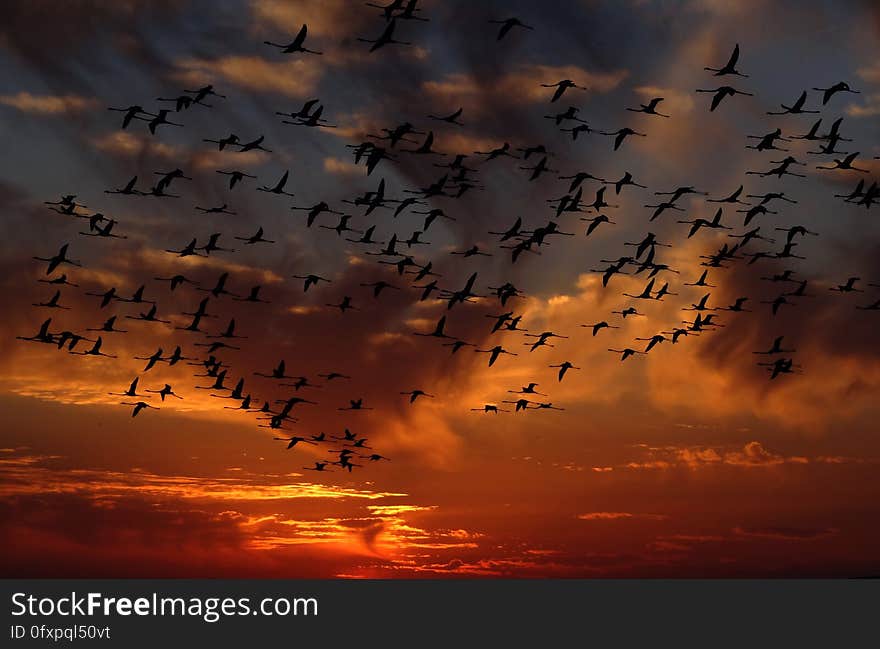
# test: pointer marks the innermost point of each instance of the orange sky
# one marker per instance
(685, 462)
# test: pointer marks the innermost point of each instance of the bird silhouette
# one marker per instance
(730, 66)
(625, 353)
(561, 87)
(415, 394)
(507, 24)
(796, 108)
(848, 287)
(385, 38)
(58, 259)
(138, 407)
(494, 353)
(296, 45)
(451, 118)
(720, 93)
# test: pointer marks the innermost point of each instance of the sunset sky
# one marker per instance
(685, 462)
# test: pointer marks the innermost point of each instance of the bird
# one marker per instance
(650, 108)
(425, 147)
(132, 112)
(507, 24)
(768, 141)
(796, 108)
(777, 303)
(138, 406)
(730, 66)
(646, 293)
(563, 368)
(452, 118)
(130, 392)
(293, 441)
(596, 221)
(438, 331)
(148, 316)
(219, 209)
(846, 164)
(278, 188)
(702, 281)
(230, 140)
(303, 112)
(542, 339)
(165, 391)
(527, 389)
(489, 407)
(721, 92)
(255, 238)
(311, 280)
(182, 102)
(157, 120)
(205, 91)
(415, 394)
(625, 353)
(626, 179)
(830, 91)
(344, 305)
(653, 341)
(698, 223)
(874, 306)
(561, 87)
(620, 135)
(732, 198)
(234, 176)
(848, 287)
(380, 286)
(253, 145)
(355, 404)
(776, 348)
(385, 38)
(52, 302)
(494, 353)
(375, 457)
(176, 281)
(95, 350)
(59, 258)
(296, 45)
(109, 326)
(61, 280)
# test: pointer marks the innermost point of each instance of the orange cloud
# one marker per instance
(48, 104)
(297, 78)
(521, 86)
(613, 516)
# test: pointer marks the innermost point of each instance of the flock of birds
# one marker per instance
(209, 351)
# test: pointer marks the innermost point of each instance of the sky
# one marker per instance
(688, 461)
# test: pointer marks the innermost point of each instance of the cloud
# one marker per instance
(869, 108)
(751, 455)
(611, 516)
(144, 513)
(146, 149)
(125, 144)
(342, 167)
(323, 17)
(521, 86)
(32, 475)
(297, 78)
(786, 533)
(870, 73)
(48, 104)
